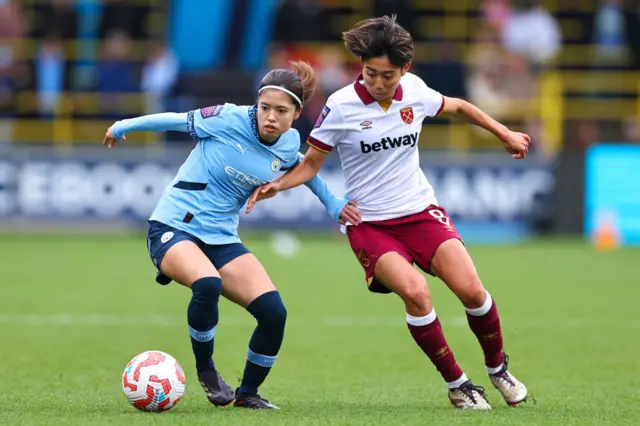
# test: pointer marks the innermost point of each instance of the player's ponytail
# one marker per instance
(299, 82)
(307, 78)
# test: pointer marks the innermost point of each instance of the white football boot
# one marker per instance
(469, 396)
(513, 391)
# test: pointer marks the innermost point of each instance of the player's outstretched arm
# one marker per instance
(303, 172)
(515, 143)
(154, 123)
(340, 209)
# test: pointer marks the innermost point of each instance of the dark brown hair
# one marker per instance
(377, 37)
(300, 79)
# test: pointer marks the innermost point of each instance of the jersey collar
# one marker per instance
(253, 118)
(366, 97)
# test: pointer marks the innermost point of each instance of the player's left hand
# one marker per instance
(517, 144)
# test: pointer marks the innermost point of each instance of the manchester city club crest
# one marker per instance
(275, 164)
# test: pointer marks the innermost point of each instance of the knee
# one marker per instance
(416, 292)
(278, 315)
(207, 289)
(474, 294)
(269, 310)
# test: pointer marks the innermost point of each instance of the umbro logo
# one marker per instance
(366, 125)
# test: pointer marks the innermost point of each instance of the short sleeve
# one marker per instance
(432, 100)
(329, 128)
(205, 122)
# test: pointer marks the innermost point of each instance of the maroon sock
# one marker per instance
(431, 340)
(486, 327)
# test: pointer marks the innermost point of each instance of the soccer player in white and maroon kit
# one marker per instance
(375, 126)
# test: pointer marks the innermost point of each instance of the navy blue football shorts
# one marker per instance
(161, 237)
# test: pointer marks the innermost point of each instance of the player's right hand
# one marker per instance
(263, 192)
(109, 139)
(517, 144)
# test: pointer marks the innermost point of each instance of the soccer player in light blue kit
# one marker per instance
(193, 232)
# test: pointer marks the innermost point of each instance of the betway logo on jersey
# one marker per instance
(390, 143)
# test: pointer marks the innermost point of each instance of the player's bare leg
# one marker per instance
(188, 265)
(185, 263)
(244, 280)
(246, 283)
(454, 266)
(398, 275)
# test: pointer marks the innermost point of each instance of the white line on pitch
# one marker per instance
(100, 320)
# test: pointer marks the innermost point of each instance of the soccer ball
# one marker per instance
(153, 381)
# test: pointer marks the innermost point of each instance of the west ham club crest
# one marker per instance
(407, 115)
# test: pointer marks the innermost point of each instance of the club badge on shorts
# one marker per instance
(275, 164)
(363, 257)
(407, 115)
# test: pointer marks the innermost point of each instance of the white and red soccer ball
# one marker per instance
(153, 381)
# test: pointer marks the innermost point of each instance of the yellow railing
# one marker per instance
(66, 132)
(427, 52)
(77, 50)
(552, 108)
(459, 26)
(557, 108)
(85, 103)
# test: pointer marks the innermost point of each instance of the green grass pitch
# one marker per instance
(75, 310)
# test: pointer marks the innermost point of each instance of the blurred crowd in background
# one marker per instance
(565, 71)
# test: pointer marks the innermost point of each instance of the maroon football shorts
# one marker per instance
(415, 237)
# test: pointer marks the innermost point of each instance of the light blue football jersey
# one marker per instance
(227, 164)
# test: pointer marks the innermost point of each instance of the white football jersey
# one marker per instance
(378, 149)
